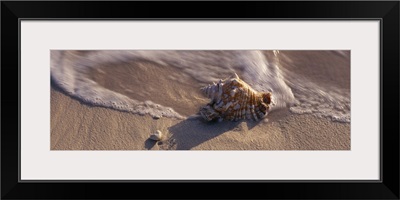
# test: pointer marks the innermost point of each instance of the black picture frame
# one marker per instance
(386, 11)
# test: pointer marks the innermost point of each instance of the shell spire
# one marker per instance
(213, 91)
(233, 99)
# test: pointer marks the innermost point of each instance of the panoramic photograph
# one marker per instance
(200, 100)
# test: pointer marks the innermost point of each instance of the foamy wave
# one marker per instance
(311, 98)
(322, 104)
(68, 69)
(265, 76)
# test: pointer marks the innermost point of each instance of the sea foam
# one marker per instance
(69, 71)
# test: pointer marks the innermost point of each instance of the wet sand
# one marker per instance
(78, 126)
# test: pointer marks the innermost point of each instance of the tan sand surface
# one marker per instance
(78, 126)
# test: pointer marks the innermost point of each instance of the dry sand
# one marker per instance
(77, 126)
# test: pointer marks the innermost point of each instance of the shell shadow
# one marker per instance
(191, 133)
(149, 144)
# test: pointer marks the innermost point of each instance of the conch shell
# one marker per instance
(233, 99)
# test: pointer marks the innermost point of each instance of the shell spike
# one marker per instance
(236, 76)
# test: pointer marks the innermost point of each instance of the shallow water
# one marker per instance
(167, 83)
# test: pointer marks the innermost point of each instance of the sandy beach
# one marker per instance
(77, 125)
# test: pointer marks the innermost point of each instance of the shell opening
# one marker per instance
(267, 97)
